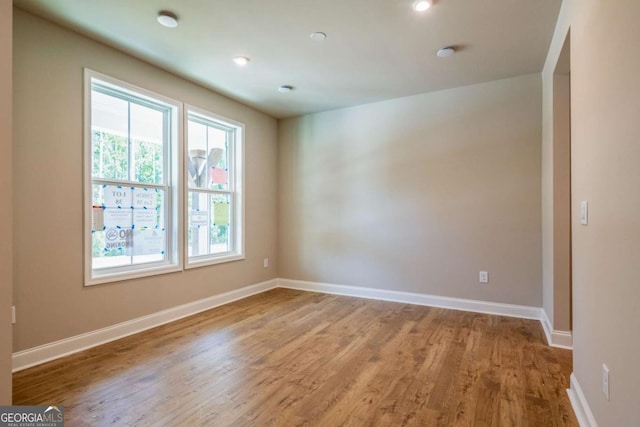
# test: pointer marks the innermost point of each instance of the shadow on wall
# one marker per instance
(381, 194)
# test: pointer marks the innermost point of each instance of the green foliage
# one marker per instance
(97, 244)
(97, 247)
(148, 162)
(111, 159)
(219, 234)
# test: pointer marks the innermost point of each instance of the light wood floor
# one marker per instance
(289, 358)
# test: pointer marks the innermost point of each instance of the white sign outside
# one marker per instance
(114, 217)
(145, 218)
(118, 238)
(148, 242)
(199, 218)
(117, 196)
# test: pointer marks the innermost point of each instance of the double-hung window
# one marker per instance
(214, 183)
(132, 186)
(152, 200)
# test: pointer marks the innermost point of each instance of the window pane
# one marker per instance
(128, 225)
(109, 133)
(197, 154)
(147, 137)
(149, 245)
(199, 220)
(212, 232)
(208, 156)
(209, 223)
(220, 223)
(132, 200)
(219, 159)
(103, 256)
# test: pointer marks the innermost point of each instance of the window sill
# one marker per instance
(119, 277)
(205, 261)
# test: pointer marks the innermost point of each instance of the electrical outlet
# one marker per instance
(484, 277)
(605, 380)
(265, 263)
(13, 314)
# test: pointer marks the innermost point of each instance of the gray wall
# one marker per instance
(605, 153)
(418, 194)
(6, 229)
(48, 112)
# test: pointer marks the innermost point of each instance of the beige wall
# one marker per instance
(51, 300)
(418, 194)
(605, 109)
(6, 267)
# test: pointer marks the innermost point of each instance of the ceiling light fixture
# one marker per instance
(241, 60)
(446, 52)
(285, 88)
(167, 19)
(318, 36)
(422, 5)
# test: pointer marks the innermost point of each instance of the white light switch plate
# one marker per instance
(605, 380)
(584, 212)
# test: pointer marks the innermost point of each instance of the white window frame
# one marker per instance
(235, 192)
(173, 172)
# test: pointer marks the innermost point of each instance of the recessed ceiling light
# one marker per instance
(445, 52)
(285, 88)
(241, 60)
(168, 19)
(422, 5)
(318, 36)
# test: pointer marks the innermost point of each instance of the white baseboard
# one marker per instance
(511, 310)
(559, 339)
(580, 405)
(47, 352)
(44, 353)
(562, 339)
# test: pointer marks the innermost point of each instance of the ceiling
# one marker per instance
(374, 50)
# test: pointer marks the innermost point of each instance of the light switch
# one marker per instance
(584, 212)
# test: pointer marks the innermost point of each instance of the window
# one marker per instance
(214, 187)
(132, 181)
(139, 184)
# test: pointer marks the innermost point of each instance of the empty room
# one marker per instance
(319, 213)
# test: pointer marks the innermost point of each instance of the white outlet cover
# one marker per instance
(484, 277)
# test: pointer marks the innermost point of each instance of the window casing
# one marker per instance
(141, 180)
(132, 170)
(214, 208)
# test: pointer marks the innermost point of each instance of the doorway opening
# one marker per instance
(562, 274)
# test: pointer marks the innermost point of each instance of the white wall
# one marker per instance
(6, 231)
(48, 151)
(605, 131)
(418, 194)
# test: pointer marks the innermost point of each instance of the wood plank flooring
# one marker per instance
(291, 358)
